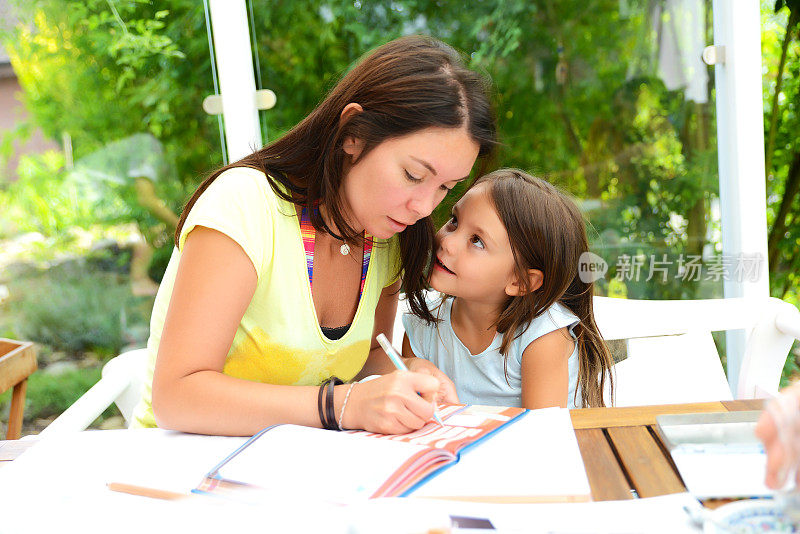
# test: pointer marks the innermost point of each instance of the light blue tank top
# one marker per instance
(480, 378)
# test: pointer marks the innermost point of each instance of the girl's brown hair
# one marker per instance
(547, 232)
(404, 86)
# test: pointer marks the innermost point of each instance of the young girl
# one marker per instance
(515, 327)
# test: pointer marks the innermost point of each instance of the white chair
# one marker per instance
(121, 382)
(671, 355)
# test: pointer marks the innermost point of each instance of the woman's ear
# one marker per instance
(351, 145)
(516, 289)
(349, 111)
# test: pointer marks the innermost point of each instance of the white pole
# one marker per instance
(740, 146)
(236, 80)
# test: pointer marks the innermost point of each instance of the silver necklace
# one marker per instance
(344, 249)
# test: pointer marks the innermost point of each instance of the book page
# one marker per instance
(72, 463)
(315, 463)
(463, 425)
(531, 460)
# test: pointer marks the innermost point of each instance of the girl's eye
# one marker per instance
(453, 222)
(477, 241)
(412, 178)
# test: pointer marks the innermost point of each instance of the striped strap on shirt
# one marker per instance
(308, 233)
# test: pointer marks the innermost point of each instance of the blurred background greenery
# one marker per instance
(608, 99)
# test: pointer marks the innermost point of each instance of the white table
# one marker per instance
(61, 482)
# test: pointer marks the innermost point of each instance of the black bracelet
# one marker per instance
(330, 409)
(330, 413)
(319, 405)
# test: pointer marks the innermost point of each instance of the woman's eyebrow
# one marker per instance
(424, 164)
(430, 168)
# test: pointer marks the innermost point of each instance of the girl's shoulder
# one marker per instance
(561, 314)
(554, 318)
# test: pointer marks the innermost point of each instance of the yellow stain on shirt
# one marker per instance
(259, 358)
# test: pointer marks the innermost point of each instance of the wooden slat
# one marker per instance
(606, 479)
(7, 345)
(744, 405)
(665, 451)
(636, 415)
(644, 462)
(17, 362)
(17, 407)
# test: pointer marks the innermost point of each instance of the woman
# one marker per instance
(288, 263)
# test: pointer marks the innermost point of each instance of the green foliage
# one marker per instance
(51, 394)
(791, 369)
(72, 309)
(44, 199)
(101, 71)
(793, 5)
(784, 264)
(604, 128)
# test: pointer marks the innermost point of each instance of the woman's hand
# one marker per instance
(447, 389)
(396, 403)
(779, 429)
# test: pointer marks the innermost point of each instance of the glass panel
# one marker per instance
(86, 220)
(611, 103)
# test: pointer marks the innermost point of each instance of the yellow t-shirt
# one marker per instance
(278, 341)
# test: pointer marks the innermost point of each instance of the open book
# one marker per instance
(347, 466)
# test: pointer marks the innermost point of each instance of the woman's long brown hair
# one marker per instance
(547, 232)
(404, 86)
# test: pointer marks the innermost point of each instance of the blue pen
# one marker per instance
(398, 362)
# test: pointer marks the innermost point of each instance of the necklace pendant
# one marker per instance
(344, 249)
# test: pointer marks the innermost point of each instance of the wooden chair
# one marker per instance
(17, 363)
